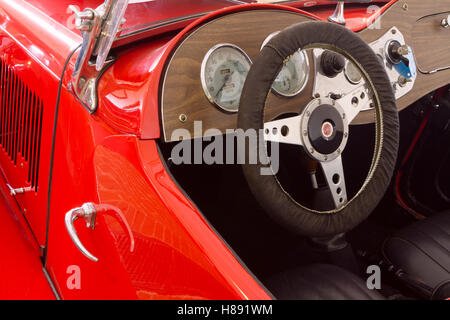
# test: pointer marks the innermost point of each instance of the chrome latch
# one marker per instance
(16, 191)
(89, 212)
(83, 19)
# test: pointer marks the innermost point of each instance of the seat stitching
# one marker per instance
(427, 235)
(437, 226)
(420, 249)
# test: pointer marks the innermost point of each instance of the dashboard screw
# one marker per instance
(311, 150)
(182, 117)
(305, 132)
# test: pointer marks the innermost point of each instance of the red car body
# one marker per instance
(107, 157)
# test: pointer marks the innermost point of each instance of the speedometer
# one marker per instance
(223, 73)
(294, 74)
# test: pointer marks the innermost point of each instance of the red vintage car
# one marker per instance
(224, 149)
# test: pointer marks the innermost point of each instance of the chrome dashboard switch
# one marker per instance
(445, 23)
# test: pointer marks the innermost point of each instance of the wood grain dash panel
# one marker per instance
(182, 91)
(435, 44)
(183, 94)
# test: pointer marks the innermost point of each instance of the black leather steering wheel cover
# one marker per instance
(266, 188)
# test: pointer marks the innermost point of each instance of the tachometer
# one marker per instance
(294, 75)
(223, 73)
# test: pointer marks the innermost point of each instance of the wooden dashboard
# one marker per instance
(183, 100)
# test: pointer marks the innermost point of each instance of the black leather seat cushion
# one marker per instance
(320, 282)
(422, 251)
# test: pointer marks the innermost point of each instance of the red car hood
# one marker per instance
(144, 14)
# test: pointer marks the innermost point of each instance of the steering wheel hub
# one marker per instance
(325, 129)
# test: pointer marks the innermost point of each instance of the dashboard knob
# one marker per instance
(332, 63)
(446, 22)
(397, 53)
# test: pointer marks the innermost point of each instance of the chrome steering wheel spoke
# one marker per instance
(334, 174)
(354, 101)
(284, 130)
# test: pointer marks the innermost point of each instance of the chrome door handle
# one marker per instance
(89, 211)
(86, 211)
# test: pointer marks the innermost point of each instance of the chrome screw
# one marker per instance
(182, 117)
(445, 23)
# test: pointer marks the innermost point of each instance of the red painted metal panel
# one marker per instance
(28, 94)
(150, 14)
(21, 271)
(45, 41)
(177, 255)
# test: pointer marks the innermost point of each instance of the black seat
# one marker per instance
(422, 252)
(320, 282)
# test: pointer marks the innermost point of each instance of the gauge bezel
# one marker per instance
(203, 71)
(348, 77)
(308, 66)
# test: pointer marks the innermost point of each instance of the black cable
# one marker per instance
(438, 177)
(410, 174)
(52, 153)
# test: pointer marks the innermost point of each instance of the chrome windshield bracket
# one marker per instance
(99, 27)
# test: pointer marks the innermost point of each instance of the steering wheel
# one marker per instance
(322, 129)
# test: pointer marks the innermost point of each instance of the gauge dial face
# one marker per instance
(224, 70)
(294, 74)
(352, 73)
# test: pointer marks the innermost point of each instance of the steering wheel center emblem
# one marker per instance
(324, 129)
(327, 130)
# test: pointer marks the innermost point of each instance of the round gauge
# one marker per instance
(352, 73)
(224, 70)
(294, 74)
